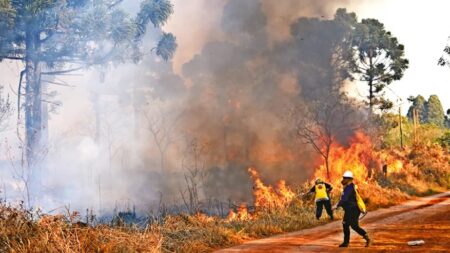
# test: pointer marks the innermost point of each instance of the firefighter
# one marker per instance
(351, 210)
(322, 197)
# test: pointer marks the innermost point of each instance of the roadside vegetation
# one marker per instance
(425, 170)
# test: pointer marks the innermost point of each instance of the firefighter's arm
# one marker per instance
(339, 204)
(329, 187)
(312, 190)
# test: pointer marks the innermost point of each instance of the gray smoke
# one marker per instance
(127, 133)
(243, 85)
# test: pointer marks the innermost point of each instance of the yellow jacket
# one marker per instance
(321, 191)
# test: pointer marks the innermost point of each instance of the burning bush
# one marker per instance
(266, 198)
(362, 158)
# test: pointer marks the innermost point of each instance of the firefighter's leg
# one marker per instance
(354, 223)
(319, 208)
(328, 208)
(358, 229)
(346, 229)
(361, 232)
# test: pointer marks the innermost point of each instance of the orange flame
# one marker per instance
(265, 197)
(241, 215)
(359, 157)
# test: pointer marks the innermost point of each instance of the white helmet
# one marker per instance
(348, 174)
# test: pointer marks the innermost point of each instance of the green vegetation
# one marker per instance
(425, 134)
(430, 112)
(418, 104)
(376, 58)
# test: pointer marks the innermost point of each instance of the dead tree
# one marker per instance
(112, 141)
(320, 123)
(195, 166)
(161, 126)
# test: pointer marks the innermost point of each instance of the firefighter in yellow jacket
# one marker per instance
(322, 197)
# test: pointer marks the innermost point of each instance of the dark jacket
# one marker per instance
(348, 198)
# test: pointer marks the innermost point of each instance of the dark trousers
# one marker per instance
(319, 207)
(351, 219)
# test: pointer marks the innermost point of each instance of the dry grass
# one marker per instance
(426, 170)
(180, 233)
(20, 233)
(199, 233)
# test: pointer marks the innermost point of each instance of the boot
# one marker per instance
(367, 238)
(343, 245)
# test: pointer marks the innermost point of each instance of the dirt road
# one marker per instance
(425, 218)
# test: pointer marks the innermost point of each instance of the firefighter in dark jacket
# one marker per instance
(351, 211)
(322, 197)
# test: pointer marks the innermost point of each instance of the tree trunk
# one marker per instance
(371, 96)
(33, 103)
(401, 128)
(327, 165)
(161, 160)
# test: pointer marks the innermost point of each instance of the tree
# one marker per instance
(6, 110)
(195, 165)
(443, 60)
(447, 118)
(318, 53)
(55, 37)
(435, 112)
(161, 126)
(378, 59)
(324, 122)
(418, 104)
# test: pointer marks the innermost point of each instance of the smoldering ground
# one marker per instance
(130, 134)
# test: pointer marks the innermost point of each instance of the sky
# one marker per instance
(423, 27)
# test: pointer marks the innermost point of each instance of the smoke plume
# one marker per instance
(133, 134)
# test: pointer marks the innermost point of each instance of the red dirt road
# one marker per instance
(425, 219)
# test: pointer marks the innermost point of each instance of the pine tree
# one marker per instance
(419, 104)
(54, 37)
(378, 59)
(435, 112)
(447, 118)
